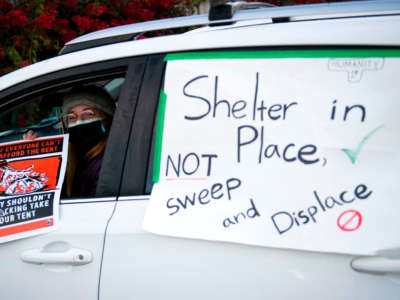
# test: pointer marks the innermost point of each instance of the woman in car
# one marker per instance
(87, 114)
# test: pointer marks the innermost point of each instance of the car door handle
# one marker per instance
(72, 256)
(377, 264)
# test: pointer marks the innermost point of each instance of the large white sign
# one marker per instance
(298, 153)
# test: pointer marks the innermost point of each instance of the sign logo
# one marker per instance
(349, 220)
(355, 67)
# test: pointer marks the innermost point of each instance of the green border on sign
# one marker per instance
(159, 136)
(328, 53)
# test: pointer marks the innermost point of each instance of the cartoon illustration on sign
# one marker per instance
(21, 181)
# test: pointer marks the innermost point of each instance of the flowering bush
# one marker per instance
(37, 29)
(34, 30)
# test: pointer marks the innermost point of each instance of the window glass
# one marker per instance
(40, 114)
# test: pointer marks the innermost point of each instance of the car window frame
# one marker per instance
(139, 151)
(120, 134)
(127, 67)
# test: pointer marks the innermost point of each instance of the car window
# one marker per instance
(85, 112)
(40, 114)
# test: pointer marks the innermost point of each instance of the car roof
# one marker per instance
(261, 14)
(373, 29)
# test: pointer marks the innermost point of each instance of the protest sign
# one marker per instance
(32, 174)
(289, 149)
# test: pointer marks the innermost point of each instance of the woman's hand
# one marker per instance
(29, 135)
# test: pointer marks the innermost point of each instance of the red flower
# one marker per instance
(7, 70)
(2, 55)
(24, 64)
(17, 39)
(100, 9)
(98, 24)
(83, 23)
(4, 22)
(61, 25)
(128, 20)
(5, 6)
(130, 9)
(50, 6)
(70, 3)
(69, 35)
(18, 18)
(145, 14)
(114, 23)
(95, 10)
(165, 3)
(89, 9)
(45, 20)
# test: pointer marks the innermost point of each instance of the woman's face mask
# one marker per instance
(85, 128)
(86, 134)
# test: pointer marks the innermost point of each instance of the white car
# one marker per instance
(138, 238)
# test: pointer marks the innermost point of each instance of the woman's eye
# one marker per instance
(87, 114)
(71, 118)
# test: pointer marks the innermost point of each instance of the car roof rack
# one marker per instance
(225, 11)
(232, 12)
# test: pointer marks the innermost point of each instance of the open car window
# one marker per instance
(42, 114)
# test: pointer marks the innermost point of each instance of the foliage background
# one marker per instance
(33, 30)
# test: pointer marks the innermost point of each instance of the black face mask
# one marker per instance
(86, 135)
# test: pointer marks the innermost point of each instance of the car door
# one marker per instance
(66, 263)
(143, 265)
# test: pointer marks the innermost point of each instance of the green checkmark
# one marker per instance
(353, 154)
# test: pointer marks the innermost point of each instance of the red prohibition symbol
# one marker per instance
(349, 220)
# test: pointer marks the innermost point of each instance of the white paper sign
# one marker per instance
(32, 174)
(298, 153)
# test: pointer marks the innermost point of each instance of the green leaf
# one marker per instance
(13, 55)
